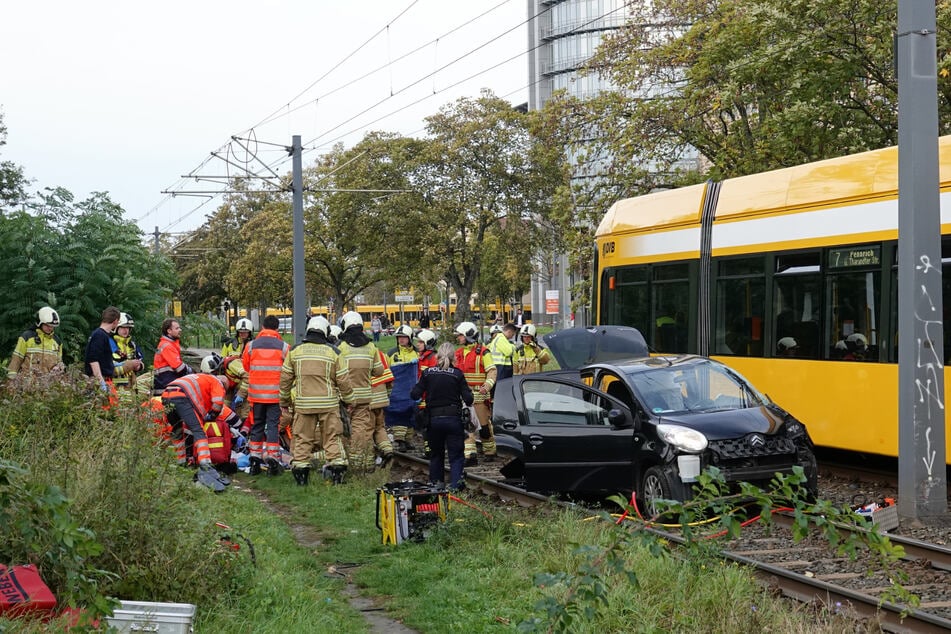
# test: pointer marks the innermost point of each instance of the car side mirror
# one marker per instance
(618, 418)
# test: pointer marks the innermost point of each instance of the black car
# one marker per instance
(616, 419)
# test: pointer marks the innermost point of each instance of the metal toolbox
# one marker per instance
(160, 618)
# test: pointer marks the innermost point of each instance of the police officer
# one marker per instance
(446, 392)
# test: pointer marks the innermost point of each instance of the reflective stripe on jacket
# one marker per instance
(263, 359)
(476, 364)
(168, 362)
(380, 385)
(313, 378)
(35, 351)
(502, 349)
(362, 364)
(203, 390)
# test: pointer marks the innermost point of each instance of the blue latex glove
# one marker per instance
(236, 403)
(240, 442)
(104, 386)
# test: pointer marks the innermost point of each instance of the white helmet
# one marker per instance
(125, 319)
(320, 324)
(496, 328)
(334, 333)
(857, 341)
(468, 330)
(404, 331)
(428, 337)
(528, 330)
(47, 315)
(211, 364)
(786, 343)
(350, 320)
(244, 324)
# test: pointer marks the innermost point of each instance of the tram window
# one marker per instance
(629, 306)
(671, 306)
(796, 313)
(854, 301)
(945, 300)
(739, 316)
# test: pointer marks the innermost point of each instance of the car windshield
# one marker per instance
(701, 386)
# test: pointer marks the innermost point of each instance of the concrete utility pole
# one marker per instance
(299, 321)
(922, 486)
(157, 235)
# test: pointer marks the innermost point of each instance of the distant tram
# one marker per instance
(789, 276)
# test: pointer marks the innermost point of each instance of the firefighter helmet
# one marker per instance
(468, 330)
(211, 364)
(528, 330)
(125, 319)
(47, 315)
(320, 324)
(404, 331)
(428, 337)
(334, 334)
(496, 328)
(857, 341)
(786, 344)
(244, 324)
(351, 319)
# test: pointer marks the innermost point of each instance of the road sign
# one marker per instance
(405, 298)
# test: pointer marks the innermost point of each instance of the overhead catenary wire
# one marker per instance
(432, 74)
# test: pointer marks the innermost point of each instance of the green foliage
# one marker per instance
(153, 528)
(77, 258)
(574, 596)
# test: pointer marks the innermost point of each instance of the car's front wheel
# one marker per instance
(657, 484)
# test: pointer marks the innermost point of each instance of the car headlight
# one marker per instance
(683, 438)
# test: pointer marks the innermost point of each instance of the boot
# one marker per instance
(301, 475)
(274, 468)
(472, 460)
(334, 473)
(255, 466)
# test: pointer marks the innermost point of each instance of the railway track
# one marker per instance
(809, 571)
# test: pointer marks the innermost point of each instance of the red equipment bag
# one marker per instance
(22, 590)
(219, 440)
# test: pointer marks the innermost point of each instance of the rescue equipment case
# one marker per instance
(407, 510)
(22, 590)
(145, 616)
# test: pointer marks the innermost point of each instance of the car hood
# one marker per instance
(577, 347)
(734, 423)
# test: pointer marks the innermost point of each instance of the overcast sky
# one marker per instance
(126, 97)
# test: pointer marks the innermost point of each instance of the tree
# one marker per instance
(482, 166)
(78, 258)
(13, 182)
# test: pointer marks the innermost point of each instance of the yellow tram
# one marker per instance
(789, 276)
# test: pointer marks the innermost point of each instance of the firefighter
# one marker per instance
(401, 413)
(425, 342)
(167, 364)
(189, 401)
(124, 350)
(530, 357)
(362, 360)
(38, 350)
(244, 332)
(380, 387)
(232, 368)
(476, 364)
(263, 359)
(313, 380)
(502, 349)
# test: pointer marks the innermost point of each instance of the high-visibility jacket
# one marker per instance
(234, 370)
(427, 359)
(263, 359)
(313, 378)
(167, 364)
(531, 358)
(476, 364)
(502, 350)
(380, 385)
(205, 392)
(35, 352)
(235, 347)
(124, 349)
(402, 354)
(362, 364)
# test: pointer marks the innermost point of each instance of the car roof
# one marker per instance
(578, 347)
